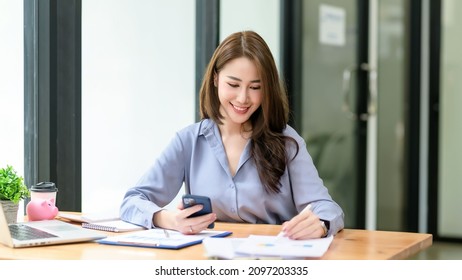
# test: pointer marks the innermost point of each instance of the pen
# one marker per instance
(166, 234)
(281, 234)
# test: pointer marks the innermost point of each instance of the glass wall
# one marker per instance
(450, 135)
(330, 42)
(334, 135)
(392, 109)
(261, 16)
(138, 75)
(12, 86)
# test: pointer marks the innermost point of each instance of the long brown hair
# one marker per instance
(268, 121)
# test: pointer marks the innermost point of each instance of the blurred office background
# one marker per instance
(92, 91)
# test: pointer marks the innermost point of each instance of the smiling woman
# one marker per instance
(242, 154)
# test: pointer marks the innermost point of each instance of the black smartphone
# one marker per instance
(191, 200)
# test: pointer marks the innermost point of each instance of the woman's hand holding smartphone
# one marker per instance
(191, 200)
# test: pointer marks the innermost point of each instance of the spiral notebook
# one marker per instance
(114, 226)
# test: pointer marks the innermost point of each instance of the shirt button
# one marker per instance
(232, 186)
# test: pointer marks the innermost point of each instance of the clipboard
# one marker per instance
(161, 239)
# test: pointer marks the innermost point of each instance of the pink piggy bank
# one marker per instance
(41, 209)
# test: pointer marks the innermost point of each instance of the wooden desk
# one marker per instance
(348, 244)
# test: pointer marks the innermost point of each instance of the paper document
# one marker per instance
(258, 246)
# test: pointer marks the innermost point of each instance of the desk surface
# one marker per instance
(347, 244)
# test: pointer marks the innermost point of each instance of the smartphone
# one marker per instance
(191, 200)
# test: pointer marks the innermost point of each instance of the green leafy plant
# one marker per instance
(12, 186)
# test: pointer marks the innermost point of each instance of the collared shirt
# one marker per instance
(196, 158)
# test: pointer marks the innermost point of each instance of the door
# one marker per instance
(331, 88)
(446, 129)
(351, 116)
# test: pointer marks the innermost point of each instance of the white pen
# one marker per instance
(281, 234)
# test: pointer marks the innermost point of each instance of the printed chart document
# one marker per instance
(160, 238)
(262, 246)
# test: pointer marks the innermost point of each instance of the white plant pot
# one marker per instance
(11, 211)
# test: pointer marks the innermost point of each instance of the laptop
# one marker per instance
(41, 233)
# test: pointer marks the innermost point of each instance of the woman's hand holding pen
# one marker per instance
(306, 225)
(179, 221)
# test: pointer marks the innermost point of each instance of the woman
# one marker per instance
(242, 154)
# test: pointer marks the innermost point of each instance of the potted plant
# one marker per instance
(12, 191)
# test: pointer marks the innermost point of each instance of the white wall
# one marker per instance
(138, 89)
(12, 86)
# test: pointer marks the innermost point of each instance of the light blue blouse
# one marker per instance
(197, 158)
